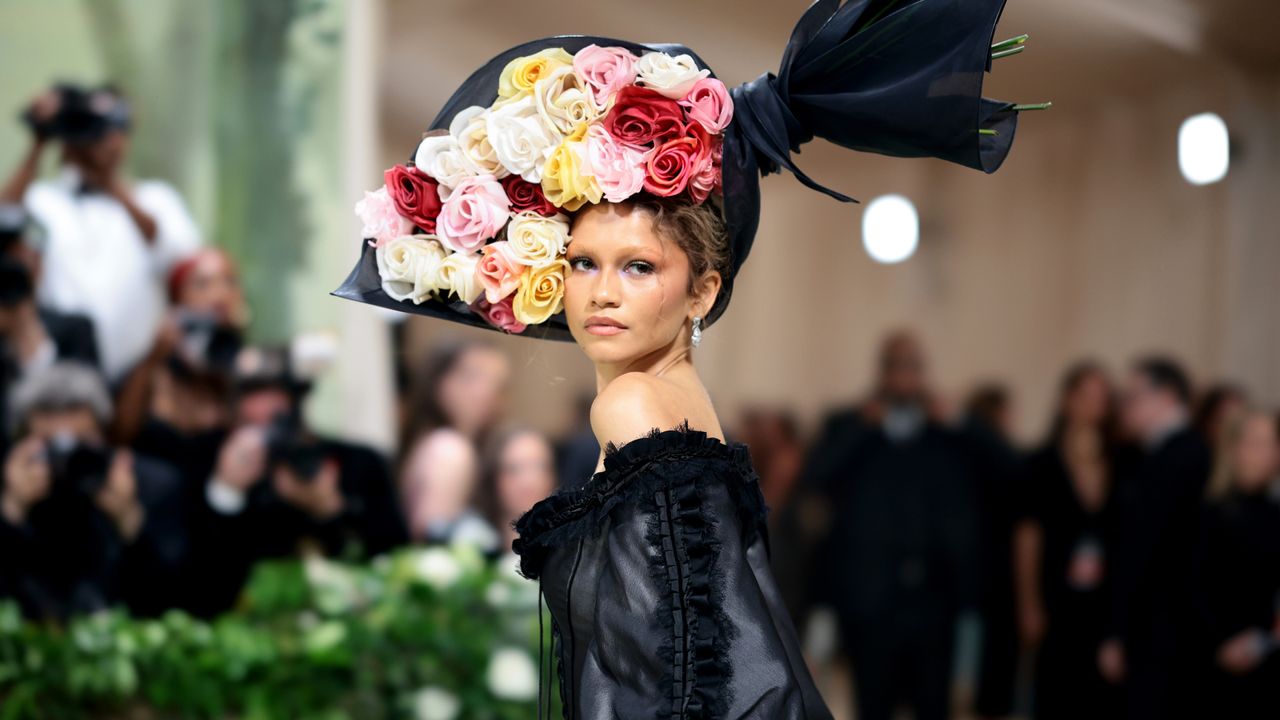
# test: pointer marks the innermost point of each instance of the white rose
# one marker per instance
(535, 240)
(512, 675)
(408, 266)
(457, 275)
(435, 703)
(470, 129)
(440, 157)
(436, 567)
(670, 76)
(563, 101)
(521, 139)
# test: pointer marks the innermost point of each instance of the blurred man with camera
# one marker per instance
(82, 526)
(111, 242)
(276, 488)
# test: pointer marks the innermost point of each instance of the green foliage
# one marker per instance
(433, 634)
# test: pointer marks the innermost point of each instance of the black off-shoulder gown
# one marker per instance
(656, 575)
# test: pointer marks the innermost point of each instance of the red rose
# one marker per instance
(669, 168)
(526, 196)
(415, 194)
(642, 117)
(705, 179)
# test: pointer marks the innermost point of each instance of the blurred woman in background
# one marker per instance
(520, 471)
(1061, 544)
(1239, 569)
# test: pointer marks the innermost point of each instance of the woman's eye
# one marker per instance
(573, 264)
(641, 267)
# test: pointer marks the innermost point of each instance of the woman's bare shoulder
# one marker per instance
(634, 403)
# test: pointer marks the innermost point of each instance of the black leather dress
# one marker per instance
(657, 578)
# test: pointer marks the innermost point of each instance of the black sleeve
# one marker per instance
(151, 566)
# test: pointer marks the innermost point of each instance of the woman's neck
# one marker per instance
(665, 361)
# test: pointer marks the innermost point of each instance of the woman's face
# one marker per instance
(1256, 453)
(214, 288)
(471, 393)
(1089, 401)
(621, 270)
(526, 473)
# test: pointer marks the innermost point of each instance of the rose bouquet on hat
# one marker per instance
(480, 215)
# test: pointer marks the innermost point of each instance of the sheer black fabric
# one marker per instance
(656, 575)
(894, 77)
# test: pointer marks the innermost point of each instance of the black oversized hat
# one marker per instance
(893, 77)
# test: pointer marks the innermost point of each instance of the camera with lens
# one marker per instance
(75, 467)
(84, 115)
(207, 345)
(290, 445)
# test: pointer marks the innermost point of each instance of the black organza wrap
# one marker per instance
(893, 77)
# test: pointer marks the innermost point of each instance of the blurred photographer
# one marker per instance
(83, 526)
(178, 397)
(111, 242)
(277, 488)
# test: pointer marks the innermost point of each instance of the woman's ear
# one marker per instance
(705, 290)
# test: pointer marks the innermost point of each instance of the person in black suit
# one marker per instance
(275, 488)
(84, 526)
(899, 561)
(1150, 647)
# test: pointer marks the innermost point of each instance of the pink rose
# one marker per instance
(498, 270)
(381, 221)
(706, 178)
(605, 70)
(708, 103)
(670, 166)
(499, 314)
(475, 212)
(618, 169)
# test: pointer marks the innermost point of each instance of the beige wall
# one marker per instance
(1087, 242)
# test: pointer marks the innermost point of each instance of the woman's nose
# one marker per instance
(604, 291)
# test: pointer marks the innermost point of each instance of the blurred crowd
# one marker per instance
(1126, 566)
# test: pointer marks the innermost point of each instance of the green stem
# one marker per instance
(1011, 51)
(987, 131)
(1034, 106)
(1010, 42)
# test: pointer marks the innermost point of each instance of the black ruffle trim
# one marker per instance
(573, 514)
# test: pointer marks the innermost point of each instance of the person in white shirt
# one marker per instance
(110, 242)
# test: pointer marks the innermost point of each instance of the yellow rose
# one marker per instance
(520, 74)
(541, 292)
(565, 181)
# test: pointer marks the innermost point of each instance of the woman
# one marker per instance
(520, 471)
(1239, 569)
(1061, 546)
(439, 476)
(606, 192)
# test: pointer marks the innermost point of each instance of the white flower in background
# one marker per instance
(498, 594)
(563, 100)
(512, 675)
(436, 567)
(471, 131)
(441, 157)
(671, 77)
(434, 703)
(334, 586)
(521, 138)
(535, 240)
(407, 266)
(457, 275)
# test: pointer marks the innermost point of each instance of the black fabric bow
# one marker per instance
(893, 77)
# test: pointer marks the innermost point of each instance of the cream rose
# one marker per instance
(521, 74)
(409, 266)
(457, 275)
(521, 139)
(671, 77)
(440, 157)
(535, 240)
(541, 292)
(563, 100)
(471, 131)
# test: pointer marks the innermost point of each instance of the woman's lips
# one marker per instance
(604, 329)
